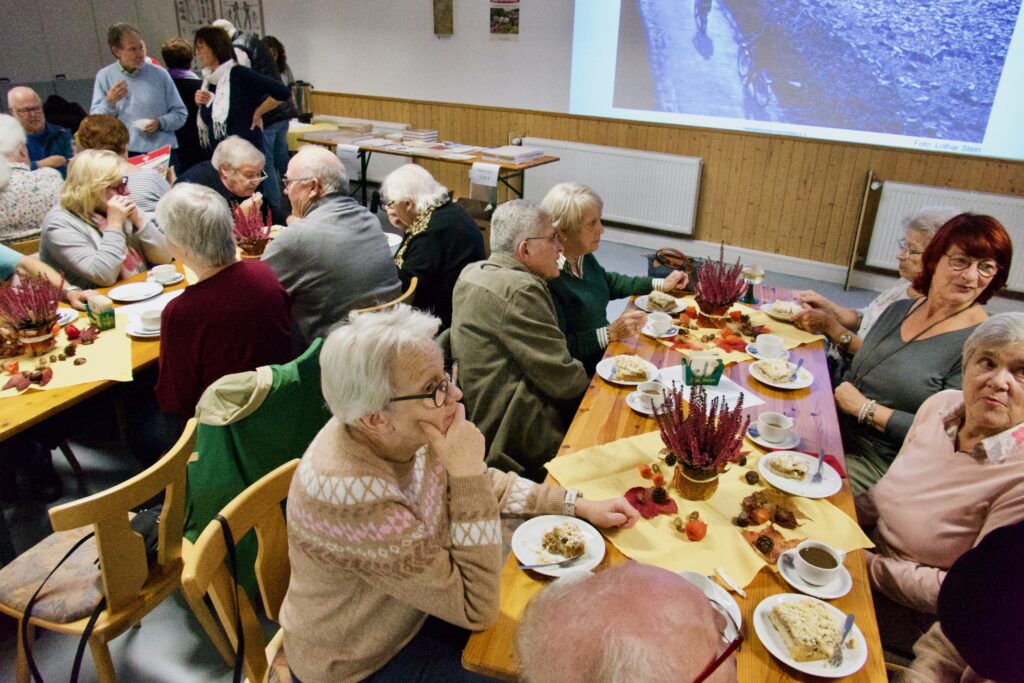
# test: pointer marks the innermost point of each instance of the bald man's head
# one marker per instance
(25, 105)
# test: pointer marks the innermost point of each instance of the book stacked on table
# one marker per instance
(513, 154)
(339, 137)
(419, 135)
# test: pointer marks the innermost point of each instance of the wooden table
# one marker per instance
(510, 175)
(18, 413)
(603, 416)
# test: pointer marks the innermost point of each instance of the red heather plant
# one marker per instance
(719, 284)
(32, 303)
(707, 437)
(250, 227)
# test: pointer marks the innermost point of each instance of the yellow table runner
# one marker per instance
(792, 337)
(108, 358)
(610, 470)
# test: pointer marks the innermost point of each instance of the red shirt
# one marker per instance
(237, 320)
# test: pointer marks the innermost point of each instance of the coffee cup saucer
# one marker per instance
(839, 586)
(789, 443)
(178, 277)
(752, 350)
(670, 332)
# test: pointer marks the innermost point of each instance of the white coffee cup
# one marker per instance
(150, 320)
(164, 273)
(770, 345)
(774, 427)
(817, 563)
(659, 323)
(652, 394)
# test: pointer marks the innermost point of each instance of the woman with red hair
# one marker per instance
(913, 351)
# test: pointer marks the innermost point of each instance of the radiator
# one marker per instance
(638, 188)
(902, 199)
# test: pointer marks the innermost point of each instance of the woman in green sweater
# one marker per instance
(583, 290)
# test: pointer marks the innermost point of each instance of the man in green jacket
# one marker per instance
(521, 385)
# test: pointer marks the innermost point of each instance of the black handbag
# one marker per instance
(665, 261)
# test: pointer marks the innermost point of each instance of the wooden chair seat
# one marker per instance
(278, 671)
(405, 298)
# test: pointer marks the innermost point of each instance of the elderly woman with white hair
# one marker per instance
(235, 318)
(440, 237)
(25, 195)
(394, 521)
(236, 172)
(583, 288)
(959, 475)
(97, 235)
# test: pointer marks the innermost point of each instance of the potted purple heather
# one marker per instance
(252, 231)
(718, 286)
(31, 310)
(701, 441)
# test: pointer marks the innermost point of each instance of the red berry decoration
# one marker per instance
(696, 530)
(658, 479)
(645, 471)
(72, 332)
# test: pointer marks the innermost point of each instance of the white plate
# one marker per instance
(641, 303)
(831, 482)
(670, 332)
(839, 586)
(393, 241)
(804, 378)
(792, 442)
(178, 277)
(636, 401)
(719, 595)
(66, 315)
(853, 659)
(136, 291)
(606, 369)
(767, 308)
(752, 350)
(132, 330)
(526, 544)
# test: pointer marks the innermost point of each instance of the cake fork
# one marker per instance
(560, 564)
(837, 654)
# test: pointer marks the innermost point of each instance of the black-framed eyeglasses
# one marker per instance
(906, 247)
(28, 110)
(986, 267)
(288, 182)
(553, 238)
(733, 645)
(440, 394)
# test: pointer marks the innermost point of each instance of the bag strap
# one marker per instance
(229, 543)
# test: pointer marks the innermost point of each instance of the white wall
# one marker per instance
(388, 48)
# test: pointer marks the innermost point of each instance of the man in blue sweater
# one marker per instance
(139, 93)
(49, 146)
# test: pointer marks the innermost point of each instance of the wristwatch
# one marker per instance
(844, 340)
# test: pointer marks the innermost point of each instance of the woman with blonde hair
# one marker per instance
(103, 131)
(97, 235)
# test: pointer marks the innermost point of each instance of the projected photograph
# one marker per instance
(929, 70)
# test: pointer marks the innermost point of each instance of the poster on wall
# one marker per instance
(505, 17)
(246, 15)
(444, 21)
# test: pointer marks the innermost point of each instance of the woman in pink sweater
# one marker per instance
(959, 475)
(394, 521)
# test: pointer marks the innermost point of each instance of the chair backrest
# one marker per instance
(406, 295)
(256, 509)
(124, 567)
(26, 247)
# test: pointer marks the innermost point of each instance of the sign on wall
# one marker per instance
(246, 15)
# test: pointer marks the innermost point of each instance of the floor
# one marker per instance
(170, 646)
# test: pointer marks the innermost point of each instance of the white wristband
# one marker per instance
(570, 501)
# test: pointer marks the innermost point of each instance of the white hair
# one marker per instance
(320, 163)
(929, 219)
(566, 203)
(225, 25)
(357, 357)
(12, 135)
(199, 220)
(235, 152)
(413, 183)
(1002, 330)
(514, 221)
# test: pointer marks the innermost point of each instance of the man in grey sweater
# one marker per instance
(333, 257)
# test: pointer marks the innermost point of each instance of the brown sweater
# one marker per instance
(376, 546)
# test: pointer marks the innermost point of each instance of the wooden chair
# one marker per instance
(26, 247)
(132, 587)
(406, 295)
(206, 573)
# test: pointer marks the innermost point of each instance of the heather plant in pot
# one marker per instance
(702, 438)
(252, 230)
(719, 285)
(30, 309)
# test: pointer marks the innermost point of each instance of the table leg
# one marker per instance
(7, 552)
(517, 188)
(364, 163)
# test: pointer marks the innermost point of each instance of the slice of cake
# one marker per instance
(807, 629)
(566, 540)
(630, 369)
(776, 369)
(788, 466)
(786, 309)
(660, 301)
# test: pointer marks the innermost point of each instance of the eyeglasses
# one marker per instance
(906, 247)
(733, 645)
(986, 267)
(553, 238)
(121, 187)
(250, 178)
(288, 182)
(28, 110)
(440, 394)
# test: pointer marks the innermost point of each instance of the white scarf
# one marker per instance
(221, 77)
